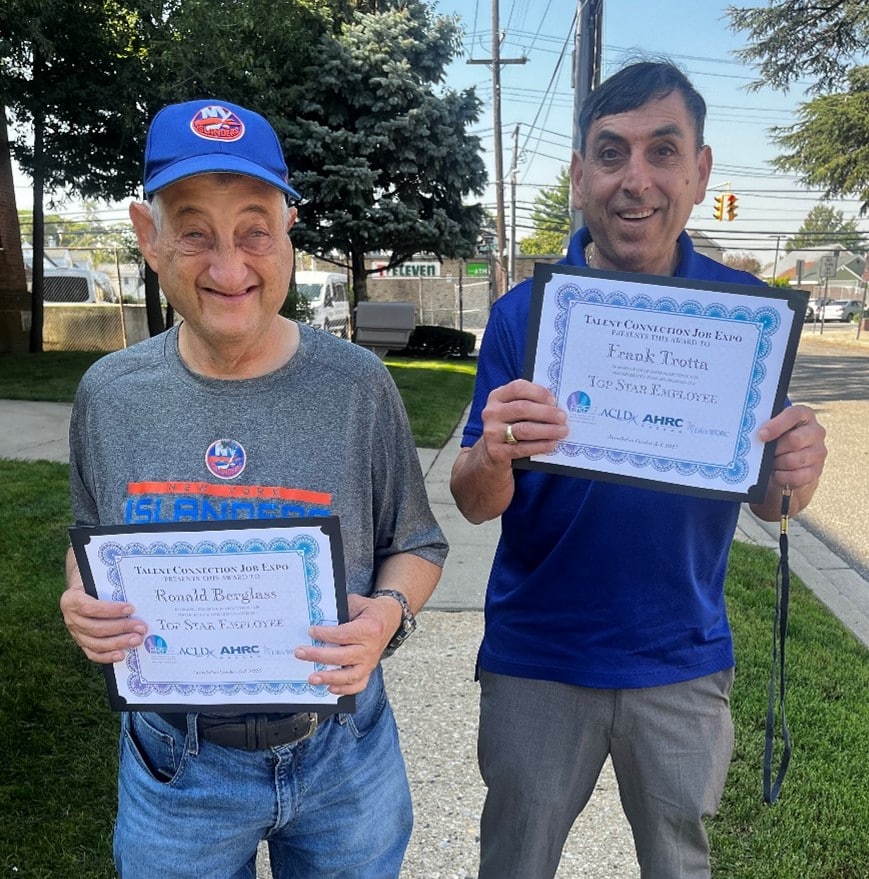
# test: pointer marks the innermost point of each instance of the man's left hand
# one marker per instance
(800, 449)
(800, 453)
(355, 646)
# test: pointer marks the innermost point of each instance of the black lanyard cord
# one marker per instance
(771, 789)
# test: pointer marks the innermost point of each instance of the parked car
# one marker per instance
(844, 310)
(813, 306)
(326, 293)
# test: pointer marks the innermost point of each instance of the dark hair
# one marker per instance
(637, 84)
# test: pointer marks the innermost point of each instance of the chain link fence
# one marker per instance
(94, 299)
(442, 302)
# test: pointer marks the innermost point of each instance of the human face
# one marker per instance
(636, 185)
(224, 259)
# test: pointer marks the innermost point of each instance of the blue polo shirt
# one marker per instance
(594, 583)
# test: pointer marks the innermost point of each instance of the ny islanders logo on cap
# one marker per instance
(225, 459)
(217, 123)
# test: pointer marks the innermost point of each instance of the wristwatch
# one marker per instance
(408, 620)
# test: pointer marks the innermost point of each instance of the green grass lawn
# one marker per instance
(49, 377)
(435, 392)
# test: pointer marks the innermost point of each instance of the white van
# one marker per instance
(74, 284)
(326, 294)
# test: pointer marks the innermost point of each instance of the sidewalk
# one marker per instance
(431, 679)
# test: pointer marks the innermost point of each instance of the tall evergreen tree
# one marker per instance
(827, 146)
(379, 149)
(790, 40)
(793, 40)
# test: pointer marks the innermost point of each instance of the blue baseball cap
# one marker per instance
(210, 136)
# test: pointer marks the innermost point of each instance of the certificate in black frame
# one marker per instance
(654, 295)
(81, 536)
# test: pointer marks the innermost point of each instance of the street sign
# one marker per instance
(827, 266)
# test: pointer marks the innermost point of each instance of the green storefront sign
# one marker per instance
(477, 269)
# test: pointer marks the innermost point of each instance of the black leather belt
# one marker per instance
(251, 732)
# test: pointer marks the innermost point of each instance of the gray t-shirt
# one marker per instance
(151, 441)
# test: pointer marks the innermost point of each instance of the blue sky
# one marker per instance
(697, 37)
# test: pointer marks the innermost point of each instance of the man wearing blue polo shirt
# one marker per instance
(606, 629)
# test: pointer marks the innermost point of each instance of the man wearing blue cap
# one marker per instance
(241, 413)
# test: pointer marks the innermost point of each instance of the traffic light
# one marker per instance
(730, 206)
(719, 209)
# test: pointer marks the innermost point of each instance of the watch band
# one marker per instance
(408, 620)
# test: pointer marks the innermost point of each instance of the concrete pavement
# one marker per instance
(431, 679)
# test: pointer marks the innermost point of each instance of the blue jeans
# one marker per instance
(336, 805)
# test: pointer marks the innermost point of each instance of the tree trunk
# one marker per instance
(360, 278)
(37, 311)
(360, 286)
(153, 309)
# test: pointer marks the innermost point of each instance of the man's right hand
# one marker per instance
(104, 630)
(535, 421)
(482, 477)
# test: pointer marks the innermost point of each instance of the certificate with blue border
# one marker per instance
(665, 381)
(225, 605)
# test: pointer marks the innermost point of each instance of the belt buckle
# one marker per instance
(313, 723)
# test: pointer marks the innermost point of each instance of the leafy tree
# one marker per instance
(62, 65)
(745, 262)
(826, 225)
(382, 159)
(827, 146)
(792, 40)
(551, 218)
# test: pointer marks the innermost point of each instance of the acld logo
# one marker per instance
(618, 415)
(201, 652)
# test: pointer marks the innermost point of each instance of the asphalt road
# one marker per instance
(831, 374)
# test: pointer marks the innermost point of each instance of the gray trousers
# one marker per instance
(542, 746)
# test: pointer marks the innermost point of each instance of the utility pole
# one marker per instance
(496, 61)
(514, 171)
(775, 260)
(586, 72)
